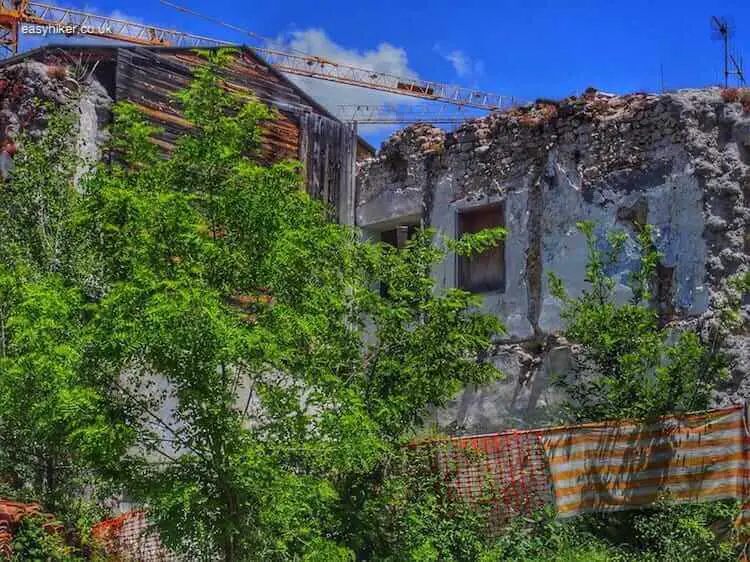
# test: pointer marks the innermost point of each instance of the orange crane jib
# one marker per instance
(18, 16)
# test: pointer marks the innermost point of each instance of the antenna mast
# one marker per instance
(722, 31)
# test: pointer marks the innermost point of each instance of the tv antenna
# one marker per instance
(722, 31)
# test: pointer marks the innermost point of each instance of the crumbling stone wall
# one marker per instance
(679, 161)
(29, 90)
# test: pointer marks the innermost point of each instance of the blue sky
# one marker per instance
(526, 49)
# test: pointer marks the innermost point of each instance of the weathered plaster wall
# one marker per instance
(678, 161)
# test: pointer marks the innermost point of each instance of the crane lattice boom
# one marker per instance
(16, 13)
(323, 69)
(399, 114)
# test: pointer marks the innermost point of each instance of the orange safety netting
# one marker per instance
(129, 537)
(503, 474)
(621, 464)
(604, 466)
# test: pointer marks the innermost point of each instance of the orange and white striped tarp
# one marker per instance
(625, 464)
(603, 466)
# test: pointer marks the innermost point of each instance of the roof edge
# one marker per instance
(241, 47)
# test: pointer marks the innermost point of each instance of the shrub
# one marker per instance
(741, 95)
(635, 366)
(36, 540)
(745, 101)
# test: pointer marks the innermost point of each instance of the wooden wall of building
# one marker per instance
(329, 153)
(150, 78)
(302, 130)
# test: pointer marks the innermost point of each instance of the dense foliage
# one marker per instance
(192, 332)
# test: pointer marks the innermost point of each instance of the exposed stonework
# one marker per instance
(28, 91)
(678, 161)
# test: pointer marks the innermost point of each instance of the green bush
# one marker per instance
(543, 539)
(33, 543)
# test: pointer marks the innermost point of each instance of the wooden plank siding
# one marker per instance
(302, 129)
(151, 78)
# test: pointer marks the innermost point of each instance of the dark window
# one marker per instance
(398, 236)
(483, 272)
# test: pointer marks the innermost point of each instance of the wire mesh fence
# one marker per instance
(604, 466)
(501, 475)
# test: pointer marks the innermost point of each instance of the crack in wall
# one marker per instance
(431, 167)
(534, 266)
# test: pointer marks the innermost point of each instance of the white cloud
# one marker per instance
(463, 64)
(384, 58)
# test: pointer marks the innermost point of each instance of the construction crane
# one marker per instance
(15, 14)
(400, 114)
(303, 64)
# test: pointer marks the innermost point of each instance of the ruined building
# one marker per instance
(680, 162)
(149, 77)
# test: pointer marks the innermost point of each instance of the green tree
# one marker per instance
(264, 381)
(634, 365)
(37, 202)
(44, 403)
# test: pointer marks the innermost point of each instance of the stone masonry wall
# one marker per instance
(678, 161)
(28, 92)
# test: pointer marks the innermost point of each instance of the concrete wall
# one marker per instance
(679, 162)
